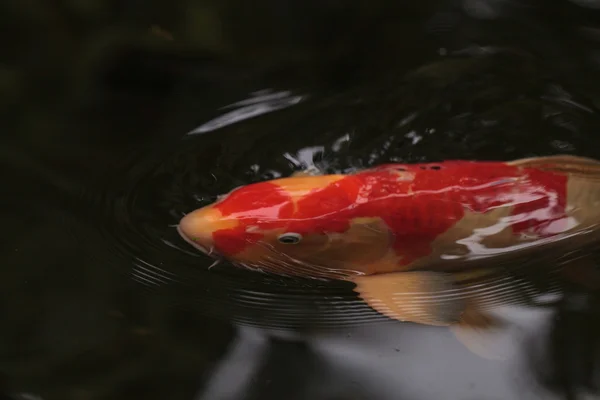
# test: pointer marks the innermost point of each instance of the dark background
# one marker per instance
(99, 297)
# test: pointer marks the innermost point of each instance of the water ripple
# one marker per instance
(426, 117)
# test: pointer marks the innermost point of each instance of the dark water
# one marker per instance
(119, 117)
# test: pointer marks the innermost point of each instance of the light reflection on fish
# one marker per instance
(414, 238)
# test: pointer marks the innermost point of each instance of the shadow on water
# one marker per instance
(120, 117)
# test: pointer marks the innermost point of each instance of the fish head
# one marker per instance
(300, 226)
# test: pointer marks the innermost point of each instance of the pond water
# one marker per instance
(121, 117)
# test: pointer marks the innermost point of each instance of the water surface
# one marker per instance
(119, 119)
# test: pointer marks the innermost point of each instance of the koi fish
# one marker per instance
(413, 238)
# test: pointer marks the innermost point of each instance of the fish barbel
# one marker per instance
(411, 235)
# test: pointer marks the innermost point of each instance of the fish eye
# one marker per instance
(289, 238)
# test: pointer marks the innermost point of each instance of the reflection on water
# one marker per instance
(261, 102)
(113, 133)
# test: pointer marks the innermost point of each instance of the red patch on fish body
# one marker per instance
(546, 202)
(327, 210)
(234, 240)
(262, 198)
(418, 202)
(420, 209)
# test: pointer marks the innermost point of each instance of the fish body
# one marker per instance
(400, 229)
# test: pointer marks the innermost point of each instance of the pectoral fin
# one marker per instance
(412, 296)
(434, 298)
(479, 332)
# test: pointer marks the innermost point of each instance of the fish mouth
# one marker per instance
(209, 252)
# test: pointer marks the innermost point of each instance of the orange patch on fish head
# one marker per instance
(198, 227)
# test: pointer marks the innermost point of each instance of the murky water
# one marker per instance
(110, 140)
